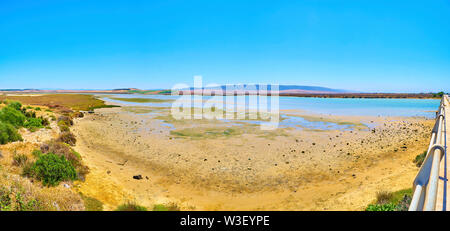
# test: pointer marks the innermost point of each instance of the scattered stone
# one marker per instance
(137, 177)
(66, 186)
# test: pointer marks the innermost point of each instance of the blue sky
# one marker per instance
(373, 46)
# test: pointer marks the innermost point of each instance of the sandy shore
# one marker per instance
(247, 169)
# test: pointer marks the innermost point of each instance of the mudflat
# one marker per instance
(217, 165)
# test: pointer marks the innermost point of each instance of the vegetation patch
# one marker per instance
(78, 102)
(169, 207)
(420, 158)
(51, 169)
(91, 204)
(130, 206)
(8, 133)
(392, 201)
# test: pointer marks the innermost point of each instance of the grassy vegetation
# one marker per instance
(15, 199)
(91, 204)
(169, 207)
(391, 201)
(77, 102)
(142, 100)
(130, 206)
(420, 158)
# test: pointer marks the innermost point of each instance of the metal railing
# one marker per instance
(425, 184)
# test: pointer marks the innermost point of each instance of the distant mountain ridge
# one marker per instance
(281, 88)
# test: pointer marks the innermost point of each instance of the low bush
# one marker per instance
(65, 120)
(30, 114)
(131, 207)
(420, 158)
(20, 159)
(12, 116)
(77, 114)
(392, 201)
(384, 197)
(64, 128)
(33, 123)
(8, 133)
(16, 105)
(68, 138)
(62, 149)
(51, 169)
(381, 207)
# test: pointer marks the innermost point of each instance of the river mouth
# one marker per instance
(233, 165)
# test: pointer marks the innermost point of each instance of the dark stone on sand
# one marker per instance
(137, 177)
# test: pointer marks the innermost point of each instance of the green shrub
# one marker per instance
(12, 116)
(33, 123)
(16, 105)
(131, 207)
(8, 133)
(51, 169)
(420, 158)
(37, 108)
(381, 207)
(62, 149)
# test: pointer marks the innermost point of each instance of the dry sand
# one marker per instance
(287, 169)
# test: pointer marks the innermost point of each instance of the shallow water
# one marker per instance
(328, 106)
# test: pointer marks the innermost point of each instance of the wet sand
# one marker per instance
(247, 169)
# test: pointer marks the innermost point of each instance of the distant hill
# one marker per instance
(284, 89)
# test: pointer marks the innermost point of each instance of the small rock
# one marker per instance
(1, 155)
(137, 177)
(66, 186)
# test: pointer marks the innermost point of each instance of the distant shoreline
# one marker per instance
(308, 95)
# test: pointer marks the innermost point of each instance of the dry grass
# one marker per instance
(61, 102)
